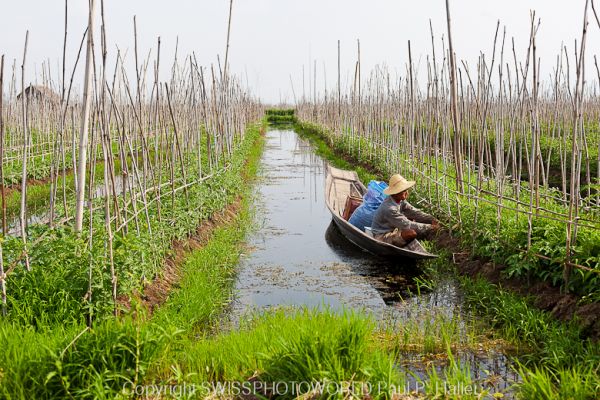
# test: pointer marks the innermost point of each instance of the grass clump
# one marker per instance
(553, 343)
(575, 383)
(338, 353)
(454, 382)
(77, 362)
(559, 363)
(433, 333)
(318, 348)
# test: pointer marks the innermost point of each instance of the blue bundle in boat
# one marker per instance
(363, 216)
(374, 196)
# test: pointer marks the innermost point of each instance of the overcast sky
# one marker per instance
(271, 40)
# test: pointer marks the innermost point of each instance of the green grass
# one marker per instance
(431, 332)
(552, 343)
(280, 112)
(553, 359)
(280, 117)
(208, 271)
(297, 346)
(211, 270)
(574, 383)
(559, 361)
(74, 362)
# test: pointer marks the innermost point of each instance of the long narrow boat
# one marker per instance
(340, 185)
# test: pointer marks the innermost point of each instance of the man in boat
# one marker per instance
(396, 221)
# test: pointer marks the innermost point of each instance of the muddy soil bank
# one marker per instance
(157, 291)
(563, 306)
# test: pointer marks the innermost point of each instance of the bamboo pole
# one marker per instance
(575, 152)
(24, 96)
(2, 275)
(2, 133)
(83, 133)
(225, 67)
(339, 86)
(454, 100)
(60, 127)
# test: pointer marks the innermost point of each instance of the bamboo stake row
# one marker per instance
(494, 133)
(149, 137)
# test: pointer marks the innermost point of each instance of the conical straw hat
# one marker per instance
(398, 184)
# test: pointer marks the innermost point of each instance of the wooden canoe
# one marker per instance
(341, 184)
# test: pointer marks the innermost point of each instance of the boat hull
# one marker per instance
(338, 182)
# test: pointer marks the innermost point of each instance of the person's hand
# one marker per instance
(408, 234)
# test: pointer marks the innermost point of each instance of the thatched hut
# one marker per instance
(41, 94)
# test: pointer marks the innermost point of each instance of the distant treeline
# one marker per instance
(279, 111)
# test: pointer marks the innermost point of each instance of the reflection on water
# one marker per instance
(41, 215)
(489, 371)
(394, 279)
(120, 185)
(34, 217)
(299, 257)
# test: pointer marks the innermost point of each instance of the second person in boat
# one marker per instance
(396, 221)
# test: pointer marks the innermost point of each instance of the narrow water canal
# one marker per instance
(297, 256)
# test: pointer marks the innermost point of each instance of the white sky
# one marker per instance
(273, 39)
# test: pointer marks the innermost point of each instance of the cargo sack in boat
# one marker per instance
(375, 196)
(363, 216)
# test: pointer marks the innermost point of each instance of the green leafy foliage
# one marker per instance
(56, 289)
